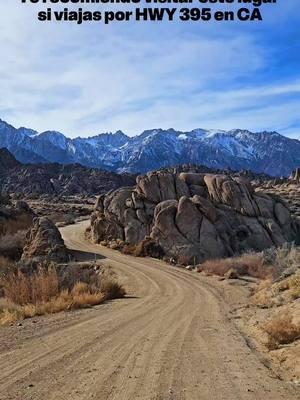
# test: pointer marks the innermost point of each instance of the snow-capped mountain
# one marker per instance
(267, 152)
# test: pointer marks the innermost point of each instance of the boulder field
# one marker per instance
(194, 216)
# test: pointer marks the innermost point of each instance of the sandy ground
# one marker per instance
(171, 339)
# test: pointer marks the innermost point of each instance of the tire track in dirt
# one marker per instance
(173, 341)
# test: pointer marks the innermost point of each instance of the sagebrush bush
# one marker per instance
(281, 258)
(281, 330)
(111, 289)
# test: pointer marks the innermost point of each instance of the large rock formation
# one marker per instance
(194, 216)
(44, 243)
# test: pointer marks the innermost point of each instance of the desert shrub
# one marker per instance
(114, 245)
(11, 245)
(129, 249)
(10, 314)
(270, 264)
(263, 295)
(149, 248)
(294, 285)
(248, 264)
(71, 274)
(185, 260)
(21, 288)
(111, 289)
(282, 258)
(281, 330)
(46, 290)
(84, 294)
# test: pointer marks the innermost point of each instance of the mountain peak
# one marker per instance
(156, 148)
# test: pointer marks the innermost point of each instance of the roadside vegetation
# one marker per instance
(281, 330)
(274, 293)
(146, 248)
(48, 290)
(270, 264)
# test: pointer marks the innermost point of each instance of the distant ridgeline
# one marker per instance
(260, 152)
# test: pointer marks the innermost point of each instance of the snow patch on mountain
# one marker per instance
(267, 152)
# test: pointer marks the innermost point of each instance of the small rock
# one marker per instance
(231, 274)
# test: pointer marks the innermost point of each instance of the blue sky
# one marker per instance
(92, 78)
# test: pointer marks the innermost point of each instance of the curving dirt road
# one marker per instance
(171, 340)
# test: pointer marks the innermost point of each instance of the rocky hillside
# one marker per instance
(264, 152)
(194, 216)
(55, 179)
(7, 161)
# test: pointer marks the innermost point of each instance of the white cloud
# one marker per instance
(86, 79)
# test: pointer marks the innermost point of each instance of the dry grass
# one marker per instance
(111, 289)
(282, 258)
(248, 264)
(21, 288)
(263, 299)
(270, 264)
(281, 330)
(269, 294)
(294, 286)
(28, 295)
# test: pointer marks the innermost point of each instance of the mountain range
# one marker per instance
(33, 180)
(260, 152)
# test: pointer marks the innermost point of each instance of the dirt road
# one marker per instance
(171, 340)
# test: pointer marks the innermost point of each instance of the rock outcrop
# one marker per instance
(44, 243)
(194, 216)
